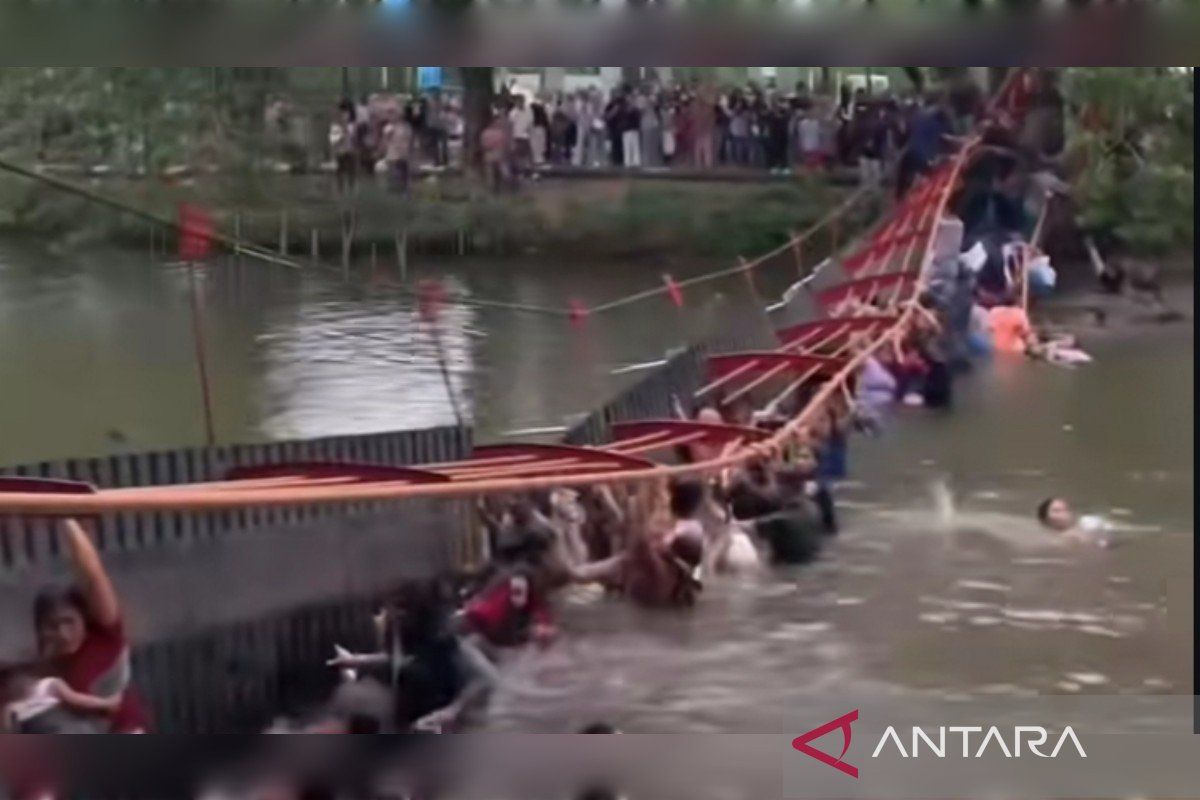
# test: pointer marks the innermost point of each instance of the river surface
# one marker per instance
(925, 591)
(923, 597)
(97, 354)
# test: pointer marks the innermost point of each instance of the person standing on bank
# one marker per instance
(81, 634)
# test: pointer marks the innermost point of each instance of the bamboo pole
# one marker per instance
(237, 236)
(798, 250)
(401, 238)
(201, 357)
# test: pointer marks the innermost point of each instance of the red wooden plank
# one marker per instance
(714, 433)
(586, 455)
(864, 288)
(18, 485)
(821, 329)
(313, 470)
(754, 362)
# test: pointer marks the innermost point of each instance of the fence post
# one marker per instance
(797, 249)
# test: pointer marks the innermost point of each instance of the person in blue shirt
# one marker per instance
(927, 131)
(832, 450)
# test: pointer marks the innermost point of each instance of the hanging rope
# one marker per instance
(237, 246)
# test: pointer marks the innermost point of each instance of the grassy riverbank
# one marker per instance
(602, 217)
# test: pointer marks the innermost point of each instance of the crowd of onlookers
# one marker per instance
(649, 127)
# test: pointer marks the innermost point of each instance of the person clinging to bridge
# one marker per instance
(81, 635)
(664, 550)
(513, 611)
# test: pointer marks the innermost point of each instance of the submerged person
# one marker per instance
(1060, 349)
(727, 547)
(510, 613)
(876, 391)
(832, 453)
(439, 677)
(806, 468)
(81, 636)
(661, 560)
(794, 532)
(753, 492)
(1056, 514)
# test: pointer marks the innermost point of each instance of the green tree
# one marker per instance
(1132, 135)
(479, 85)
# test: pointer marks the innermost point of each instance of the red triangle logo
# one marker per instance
(842, 723)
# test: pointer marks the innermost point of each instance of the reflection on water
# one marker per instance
(96, 353)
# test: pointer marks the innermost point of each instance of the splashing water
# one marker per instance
(943, 501)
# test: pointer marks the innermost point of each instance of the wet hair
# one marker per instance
(419, 614)
(52, 599)
(688, 549)
(522, 511)
(686, 498)
(363, 723)
(1043, 510)
(542, 501)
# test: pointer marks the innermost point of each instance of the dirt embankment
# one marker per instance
(599, 215)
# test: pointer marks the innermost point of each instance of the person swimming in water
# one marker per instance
(1056, 514)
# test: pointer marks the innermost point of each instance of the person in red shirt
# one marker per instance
(81, 635)
(509, 613)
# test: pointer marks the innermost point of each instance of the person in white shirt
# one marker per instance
(521, 120)
(1056, 514)
(398, 140)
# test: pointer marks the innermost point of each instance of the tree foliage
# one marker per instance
(1132, 134)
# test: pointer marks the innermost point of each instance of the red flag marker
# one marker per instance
(195, 232)
(431, 295)
(579, 313)
(673, 290)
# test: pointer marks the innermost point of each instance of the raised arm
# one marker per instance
(94, 582)
(79, 701)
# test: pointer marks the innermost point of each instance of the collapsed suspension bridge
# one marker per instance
(875, 302)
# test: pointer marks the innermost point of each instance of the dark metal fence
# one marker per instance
(237, 678)
(25, 542)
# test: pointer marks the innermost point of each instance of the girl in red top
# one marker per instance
(510, 613)
(81, 635)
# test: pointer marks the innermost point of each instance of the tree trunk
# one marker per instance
(996, 76)
(478, 92)
(916, 76)
(826, 85)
